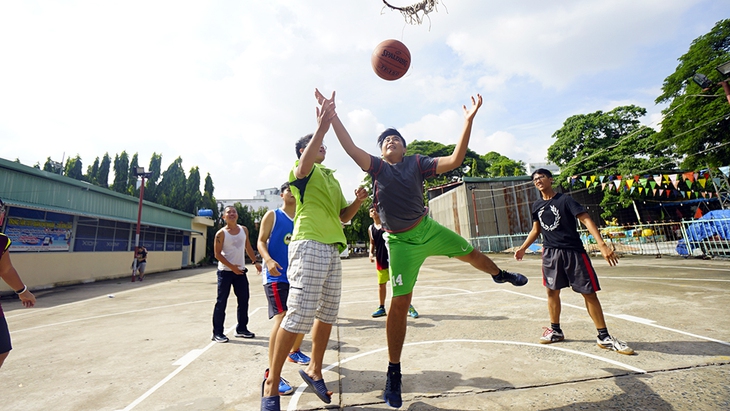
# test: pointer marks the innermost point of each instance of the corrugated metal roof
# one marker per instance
(29, 187)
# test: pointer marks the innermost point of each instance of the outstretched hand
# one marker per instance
(475, 104)
(321, 99)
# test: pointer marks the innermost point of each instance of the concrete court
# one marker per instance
(117, 345)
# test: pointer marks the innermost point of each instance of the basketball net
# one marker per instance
(415, 13)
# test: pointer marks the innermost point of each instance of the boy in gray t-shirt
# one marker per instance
(398, 195)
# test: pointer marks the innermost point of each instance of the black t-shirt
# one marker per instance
(557, 221)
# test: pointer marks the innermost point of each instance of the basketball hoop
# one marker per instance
(415, 13)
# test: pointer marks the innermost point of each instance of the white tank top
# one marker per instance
(234, 247)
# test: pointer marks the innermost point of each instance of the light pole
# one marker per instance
(138, 172)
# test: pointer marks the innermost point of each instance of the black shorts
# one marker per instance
(277, 294)
(562, 268)
(5, 345)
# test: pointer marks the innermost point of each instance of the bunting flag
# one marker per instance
(691, 184)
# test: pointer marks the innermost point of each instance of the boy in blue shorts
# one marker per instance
(412, 236)
(565, 261)
(273, 245)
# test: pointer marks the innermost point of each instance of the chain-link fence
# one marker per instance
(695, 238)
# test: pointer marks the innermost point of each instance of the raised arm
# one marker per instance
(457, 157)
(309, 156)
(361, 157)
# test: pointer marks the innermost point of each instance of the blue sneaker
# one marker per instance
(298, 357)
(285, 387)
(380, 312)
(391, 395)
(512, 278)
(412, 312)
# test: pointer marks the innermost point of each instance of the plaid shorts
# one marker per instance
(315, 285)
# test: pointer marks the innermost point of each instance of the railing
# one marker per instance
(694, 238)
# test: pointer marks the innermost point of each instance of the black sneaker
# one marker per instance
(220, 338)
(512, 278)
(391, 395)
(245, 334)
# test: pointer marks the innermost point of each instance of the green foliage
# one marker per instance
(151, 192)
(498, 165)
(172, 187)
(250, 218)
(193, 198)
(132, 178)
(74, 168)
(121, 172)
(103, 176)
(92, 172)
(696, 124)
(607, 143)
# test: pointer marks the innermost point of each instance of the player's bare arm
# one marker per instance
(608, 254)
(528, 241)
(348, 212)
(309, 155)
(249, 251)
(361, 157)
(267, 224)
(449, 163)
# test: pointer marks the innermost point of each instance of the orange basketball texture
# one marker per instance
(391, 60)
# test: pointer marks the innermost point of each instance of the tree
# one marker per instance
(92, 172)
(74, 168)
(151, 192)
(121, 172)
(172, 187)
(193, 198)
(695, 126)
(607, 143)
(435, 149)
(103, 176)
(51, 166)
(132, 177)
(498, 165)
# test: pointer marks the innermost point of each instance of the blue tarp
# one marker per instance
(714, 223)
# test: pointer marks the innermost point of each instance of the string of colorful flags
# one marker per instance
(688, 185)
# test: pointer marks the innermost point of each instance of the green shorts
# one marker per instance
(408, 250)
(383, 276)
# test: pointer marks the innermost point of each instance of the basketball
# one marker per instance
(391, 60)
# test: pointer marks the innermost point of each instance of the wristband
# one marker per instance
(25, 288)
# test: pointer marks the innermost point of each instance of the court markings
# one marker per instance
(182, 363)
(630, 318)
(298, 393)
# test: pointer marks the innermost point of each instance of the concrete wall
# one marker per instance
(48, 269)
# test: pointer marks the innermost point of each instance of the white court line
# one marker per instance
(298, 393)
(631, 318)
(108, 315)
(182, 363)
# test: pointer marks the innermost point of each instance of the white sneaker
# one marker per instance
(614, 344)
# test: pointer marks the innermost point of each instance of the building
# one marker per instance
(66, 231)
(268, 198)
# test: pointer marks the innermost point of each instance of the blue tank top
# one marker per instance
(278, 245)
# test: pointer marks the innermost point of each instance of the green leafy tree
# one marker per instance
(210, 203)
(132, 178)
(696, 124)
(103, 176)
(250, 218)
(121, 172)
(435, 149)
(92, 172)
(498, 165)
(50, 166)
(172, 187)
(151, 192)
(74, 168)
(193, 198)
(607, 143)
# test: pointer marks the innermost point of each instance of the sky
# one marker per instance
(228, 86)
